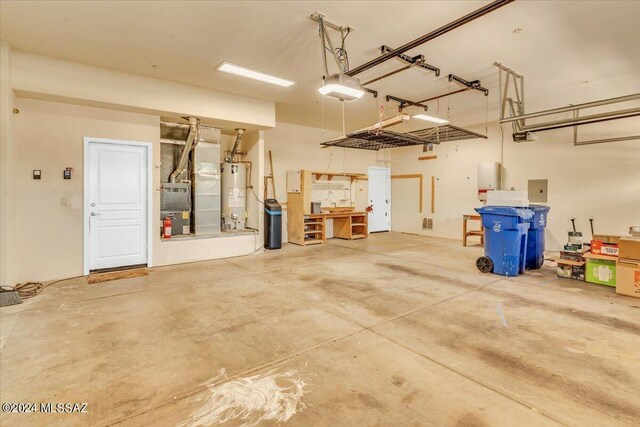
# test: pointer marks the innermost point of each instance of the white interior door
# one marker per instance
(117, 205)
(380, 199)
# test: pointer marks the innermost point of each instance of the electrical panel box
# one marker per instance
(538, 190)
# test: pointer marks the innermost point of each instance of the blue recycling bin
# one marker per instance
(535, 237)
(505, 239)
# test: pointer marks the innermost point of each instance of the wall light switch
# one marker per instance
(37, 174)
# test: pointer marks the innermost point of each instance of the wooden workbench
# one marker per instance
(311, 228)
(305, 228)
(349, 225)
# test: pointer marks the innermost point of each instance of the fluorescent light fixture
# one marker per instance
(430, 119)
(227, 67)
(342, 87)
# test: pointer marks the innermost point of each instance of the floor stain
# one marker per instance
(469, 419)
(601, 319)
(429, 276)
(370, 401)
(397, 381)
(544, 378)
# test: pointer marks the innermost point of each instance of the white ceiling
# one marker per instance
(569, 51)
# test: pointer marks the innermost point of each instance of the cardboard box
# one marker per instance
(575, 237)
(629, 248)
(628, 277)
(570, 247)
(599, 247)
(571, 269)
(601, 269)
(572, 256)
(607, 238)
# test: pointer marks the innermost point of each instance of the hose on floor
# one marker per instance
(31, 289)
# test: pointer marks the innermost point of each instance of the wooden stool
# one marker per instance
(468, 233)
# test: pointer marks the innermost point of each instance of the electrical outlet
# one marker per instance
(64, 202)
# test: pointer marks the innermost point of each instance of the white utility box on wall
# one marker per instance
(293, 181)
(488, 178)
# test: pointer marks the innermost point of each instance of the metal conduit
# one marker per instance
(600, 141)
(573, 108)
(444, 95)
(594, 118)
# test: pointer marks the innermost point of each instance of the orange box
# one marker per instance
(599, 247)
(628, 277)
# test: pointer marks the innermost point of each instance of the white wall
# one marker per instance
(58, 80)
(600, 181)
(295, 147)
(62, 102)
(48, 240)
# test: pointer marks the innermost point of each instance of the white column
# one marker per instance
(7, 163)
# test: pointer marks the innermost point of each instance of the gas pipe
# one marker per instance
(166, 227)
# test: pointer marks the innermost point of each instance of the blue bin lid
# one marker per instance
(539, 208)
(523, 213)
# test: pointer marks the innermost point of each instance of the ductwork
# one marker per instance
(192, 139)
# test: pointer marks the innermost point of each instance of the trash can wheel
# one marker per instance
(484, 264)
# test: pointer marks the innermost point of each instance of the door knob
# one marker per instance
(95, 213)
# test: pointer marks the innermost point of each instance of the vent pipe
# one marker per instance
(191, 141)
(234, 151)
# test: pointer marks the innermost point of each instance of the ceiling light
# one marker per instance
(430, 119)
(342, 87)
(227, 67)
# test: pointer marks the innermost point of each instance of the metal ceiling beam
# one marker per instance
(430, 36)
(470, 85)
(412, 60)
(573, 108)
(404, 102)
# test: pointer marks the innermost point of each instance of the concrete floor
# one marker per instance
(393, 330)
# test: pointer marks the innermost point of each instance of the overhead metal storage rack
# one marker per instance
(445, 133)
(375, 140)
(381, 139)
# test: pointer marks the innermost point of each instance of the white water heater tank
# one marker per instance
(234, 196)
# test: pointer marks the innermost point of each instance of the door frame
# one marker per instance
(85, 211)
(387, 182)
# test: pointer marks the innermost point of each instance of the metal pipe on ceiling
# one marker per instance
(600, 141)
(391, 73)
(573, 108)
(444, 95)
(430, 36)
(583, 120)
